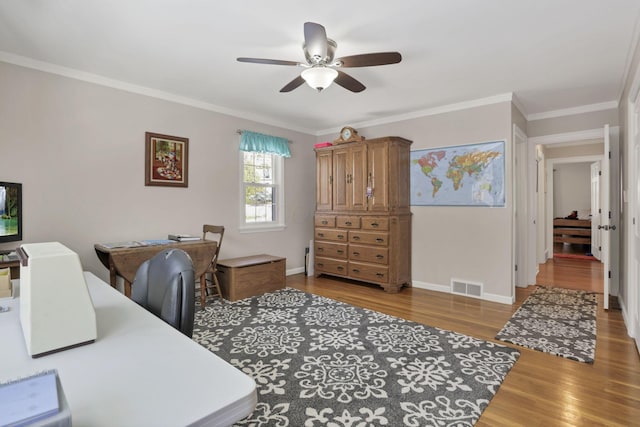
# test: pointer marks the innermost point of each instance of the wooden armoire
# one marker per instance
(363, 219)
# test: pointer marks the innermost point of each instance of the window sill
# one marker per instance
(261, 228)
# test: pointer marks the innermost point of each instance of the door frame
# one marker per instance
(523, 269)
(585, 135)
(549, 198)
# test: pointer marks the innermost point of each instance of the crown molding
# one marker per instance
(496, 99)
(97, 79)
(609, 105)
(516, 101)
(578, 136)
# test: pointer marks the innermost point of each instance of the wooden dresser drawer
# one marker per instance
(377, 254)
(333, 250)
(369, 238)
(369, 272)
(348, 221)
(325, 221)
(331, 234)
(328, 265)
(375, 223)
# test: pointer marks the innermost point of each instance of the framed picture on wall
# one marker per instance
(166, 160)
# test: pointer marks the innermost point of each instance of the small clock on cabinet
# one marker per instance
(348, 134)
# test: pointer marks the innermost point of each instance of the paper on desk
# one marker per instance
(130, 244)
(30, 399)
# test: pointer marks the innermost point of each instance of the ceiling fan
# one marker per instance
(321, 69)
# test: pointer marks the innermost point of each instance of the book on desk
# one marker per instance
(183, 237)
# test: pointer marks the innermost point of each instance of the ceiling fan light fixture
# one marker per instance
(319, 78)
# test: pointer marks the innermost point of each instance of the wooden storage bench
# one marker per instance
(250, 276)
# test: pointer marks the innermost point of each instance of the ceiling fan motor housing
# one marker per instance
(316, 59)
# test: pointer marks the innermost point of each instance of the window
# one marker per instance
(262, 196)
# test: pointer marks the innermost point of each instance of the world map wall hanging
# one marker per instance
(461, 175)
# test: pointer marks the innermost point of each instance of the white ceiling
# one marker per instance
(552, 54)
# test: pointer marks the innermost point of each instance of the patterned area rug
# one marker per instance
(320, 362)
(557, 321)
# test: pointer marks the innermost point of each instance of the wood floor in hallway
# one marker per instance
(541, 389)
(570, 273)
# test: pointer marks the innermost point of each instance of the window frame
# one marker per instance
(278, 185)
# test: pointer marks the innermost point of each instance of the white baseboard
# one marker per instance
(294, 271)
(447, 290)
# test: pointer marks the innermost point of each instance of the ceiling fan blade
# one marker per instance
(267, 61)
(293, 84)
(370, 59)
(348, 82)
(315, 40)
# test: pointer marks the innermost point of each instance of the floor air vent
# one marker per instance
(464, 287)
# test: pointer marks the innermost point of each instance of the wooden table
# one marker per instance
(124, 261)
(14, 265)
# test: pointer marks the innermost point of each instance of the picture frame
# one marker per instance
(166, 160)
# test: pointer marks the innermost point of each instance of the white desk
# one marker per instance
(139, 372)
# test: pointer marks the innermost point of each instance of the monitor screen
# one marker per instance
(10, 212)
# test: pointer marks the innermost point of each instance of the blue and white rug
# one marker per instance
(558, 321)
(320, 362)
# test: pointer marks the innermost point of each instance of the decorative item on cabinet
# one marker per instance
(363, 218)
(348, 134)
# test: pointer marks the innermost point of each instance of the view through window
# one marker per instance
(260, 188)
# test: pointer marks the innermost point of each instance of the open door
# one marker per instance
(634, 190)
(605, 227)
(596, 213)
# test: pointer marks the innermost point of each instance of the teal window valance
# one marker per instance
(260, 143)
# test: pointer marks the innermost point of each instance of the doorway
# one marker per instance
(569, 205)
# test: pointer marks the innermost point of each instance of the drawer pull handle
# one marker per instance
(320, 264)
(320, 234)
(325, 222)
(348, 222)
(379, 256)
(340, 236)
(379, 274)
(356, 254)
(340, 268)
(356, 237)
(340, 251)
(374, 224)
(380, 240)
(320, 249)
(355, 270)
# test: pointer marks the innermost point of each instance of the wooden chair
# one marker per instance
(211, 282)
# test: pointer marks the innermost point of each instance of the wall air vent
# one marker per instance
(466, 288)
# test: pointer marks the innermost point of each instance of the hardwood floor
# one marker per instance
(569, 273)
(541, 389)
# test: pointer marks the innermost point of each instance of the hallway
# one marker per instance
(582, 274)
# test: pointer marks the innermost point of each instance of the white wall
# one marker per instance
(78, 150)
(467, 243)
(571, 189)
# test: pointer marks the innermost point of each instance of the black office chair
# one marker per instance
(164, 285)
